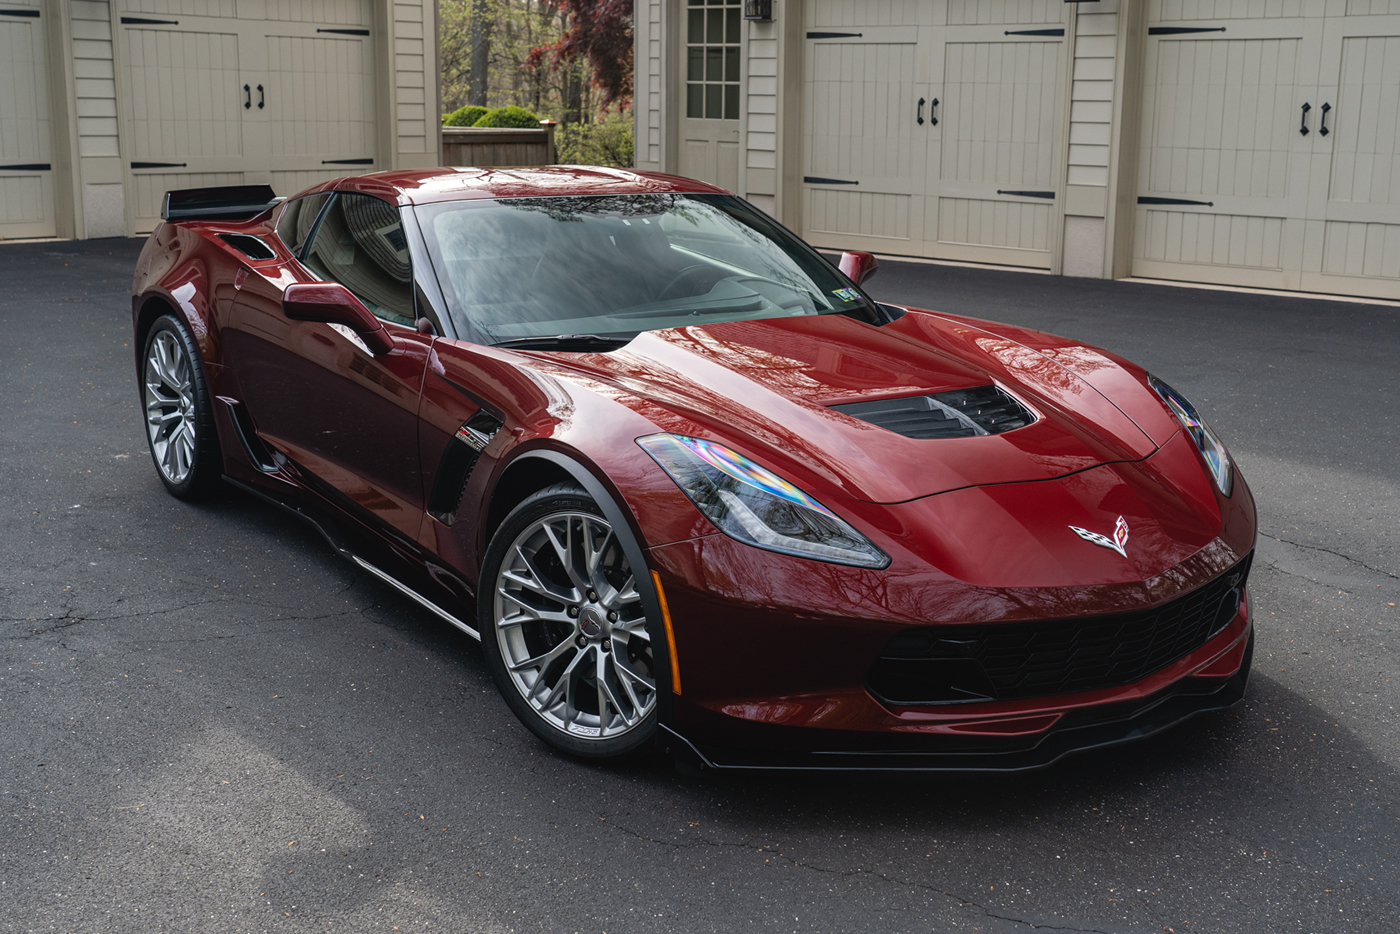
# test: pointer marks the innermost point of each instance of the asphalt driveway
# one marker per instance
(212, 723)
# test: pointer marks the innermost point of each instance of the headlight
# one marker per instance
(1209, 443)
(756, 506)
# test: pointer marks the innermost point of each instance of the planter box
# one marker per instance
(473, 145)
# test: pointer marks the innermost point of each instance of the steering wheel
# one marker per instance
(695, 279)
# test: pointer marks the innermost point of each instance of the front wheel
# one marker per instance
(563, 629)
(179, 415)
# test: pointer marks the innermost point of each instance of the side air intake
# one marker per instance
(458, 460)
(962, 413)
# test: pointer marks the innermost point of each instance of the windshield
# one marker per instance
(612, 266)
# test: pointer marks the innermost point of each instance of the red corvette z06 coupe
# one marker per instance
(687, 483)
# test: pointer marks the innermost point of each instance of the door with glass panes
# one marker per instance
(711, 71)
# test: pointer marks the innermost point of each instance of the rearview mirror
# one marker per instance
(333, 303)
(858, 266)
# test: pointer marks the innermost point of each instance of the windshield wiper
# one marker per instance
(577, 342)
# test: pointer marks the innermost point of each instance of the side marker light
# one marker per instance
(670, 633)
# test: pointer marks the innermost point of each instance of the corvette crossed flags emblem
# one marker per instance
(1117, 543)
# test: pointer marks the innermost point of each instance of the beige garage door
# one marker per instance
(26, 177)
(1269, 147)
(934, 129)
(217, 100)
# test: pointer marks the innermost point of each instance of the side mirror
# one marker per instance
(858, 266)
(333, 303)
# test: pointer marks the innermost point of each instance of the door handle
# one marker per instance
(247, 97)
(921, 111)
(933, 113)
(1322, 128)
(261, 99)
(1303, 127)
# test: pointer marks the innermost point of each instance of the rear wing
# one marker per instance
(230, 202)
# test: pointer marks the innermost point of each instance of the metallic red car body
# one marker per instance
(772, 654)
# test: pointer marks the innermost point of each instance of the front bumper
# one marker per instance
(1076, 730)
(774, 666)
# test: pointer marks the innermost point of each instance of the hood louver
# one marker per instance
(962, 413)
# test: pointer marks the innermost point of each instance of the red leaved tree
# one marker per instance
(601, 32)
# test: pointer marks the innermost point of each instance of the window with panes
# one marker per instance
(712, 59)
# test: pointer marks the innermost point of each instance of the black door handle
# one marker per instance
(247, 97)
(933, 113)
(1322, 128)
(1303, 128)
(921, 111)
(261, 100)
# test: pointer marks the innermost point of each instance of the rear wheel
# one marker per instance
(179, 415)
(563, 627)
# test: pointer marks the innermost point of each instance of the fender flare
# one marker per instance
(632, 547)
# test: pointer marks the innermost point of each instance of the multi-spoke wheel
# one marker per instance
(179, 419)
(563, 627)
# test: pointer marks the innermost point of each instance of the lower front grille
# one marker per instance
(1006, 661)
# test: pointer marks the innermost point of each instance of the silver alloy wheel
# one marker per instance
(170, 406)
(571, 628)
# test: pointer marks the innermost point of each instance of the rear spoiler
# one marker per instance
(233, 202)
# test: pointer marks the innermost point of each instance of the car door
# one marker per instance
(314, 391)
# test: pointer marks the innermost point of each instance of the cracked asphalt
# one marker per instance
(212, 723)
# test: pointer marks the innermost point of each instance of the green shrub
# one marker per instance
(465, 116)
(607, 142)
(511, 116)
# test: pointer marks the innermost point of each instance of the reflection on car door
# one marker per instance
(346, 417)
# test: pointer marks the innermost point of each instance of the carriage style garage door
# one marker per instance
(1269, 152)
(211, 99)
(26, 177)
(933, 129)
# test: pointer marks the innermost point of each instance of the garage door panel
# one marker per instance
(1175, 11)
(1220, 135)
(26, 177)
(1365, 156)
(1015, 225)
(864, 213)
(219, 8)
(1004, 12)
(863, 159)
(321, 97)
(1373, 7)
(318, 11)
(1222, 117)
(1001, 110)
(184, 94)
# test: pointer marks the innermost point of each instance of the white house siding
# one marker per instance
(761, 107)
(1090, 138)
(413, 82)
(647, 83)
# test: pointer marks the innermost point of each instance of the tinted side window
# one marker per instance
(294, 224)
(361, 245)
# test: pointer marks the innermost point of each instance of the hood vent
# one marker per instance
(962, 413)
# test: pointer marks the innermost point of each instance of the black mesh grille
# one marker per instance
(1003, 661)
(962, 413)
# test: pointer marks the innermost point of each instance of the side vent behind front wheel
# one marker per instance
(457, 463)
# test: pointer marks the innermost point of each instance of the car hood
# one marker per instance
(766, 389)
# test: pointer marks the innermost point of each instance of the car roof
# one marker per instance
(425, 186)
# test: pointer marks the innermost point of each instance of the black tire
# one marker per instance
(602, 633)
(190, 469)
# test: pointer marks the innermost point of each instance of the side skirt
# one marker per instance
(345, 552)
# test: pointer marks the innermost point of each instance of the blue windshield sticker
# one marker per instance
(847, 295)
